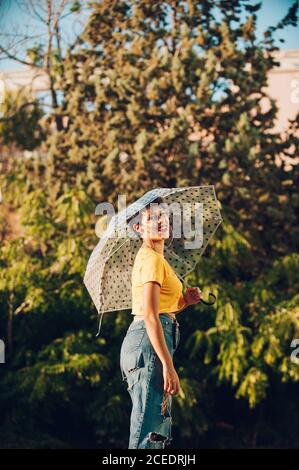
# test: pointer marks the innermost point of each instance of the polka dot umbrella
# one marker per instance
(108, 273)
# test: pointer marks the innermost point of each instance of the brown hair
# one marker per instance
(158, 200)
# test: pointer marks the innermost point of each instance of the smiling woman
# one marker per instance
(146, 356)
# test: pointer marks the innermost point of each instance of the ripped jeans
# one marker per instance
(150, 422)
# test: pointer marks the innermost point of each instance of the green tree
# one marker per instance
(20, 121)
(158, 94)
(169, 94)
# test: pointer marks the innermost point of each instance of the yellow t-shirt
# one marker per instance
(152, 266)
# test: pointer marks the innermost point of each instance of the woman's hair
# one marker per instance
(132, 219)
(157, 200)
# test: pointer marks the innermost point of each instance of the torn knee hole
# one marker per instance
(156, 437)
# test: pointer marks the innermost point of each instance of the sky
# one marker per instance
(270, 13)
(13, 18)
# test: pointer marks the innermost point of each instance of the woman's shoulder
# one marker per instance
(146, 252)
(147, 257)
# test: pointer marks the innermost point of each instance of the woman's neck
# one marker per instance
(157, 246)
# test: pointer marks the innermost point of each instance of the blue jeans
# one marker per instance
(150, 422)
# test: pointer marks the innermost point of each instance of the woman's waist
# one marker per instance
(168, 305)
(138, 317)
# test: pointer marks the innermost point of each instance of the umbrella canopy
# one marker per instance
(108, 273)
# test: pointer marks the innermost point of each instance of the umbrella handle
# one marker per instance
(209, 303)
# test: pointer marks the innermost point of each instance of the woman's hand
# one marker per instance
(171, 380)
(192, 295)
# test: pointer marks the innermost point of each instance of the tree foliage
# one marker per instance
(157, 94)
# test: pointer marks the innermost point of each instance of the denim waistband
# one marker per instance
(164, 319)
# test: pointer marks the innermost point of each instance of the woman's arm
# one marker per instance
(192, 296)
(151, 303)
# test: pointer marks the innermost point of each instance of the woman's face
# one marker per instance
(155, 224)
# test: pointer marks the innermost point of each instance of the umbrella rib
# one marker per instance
(180, 259)
(203, 250)
(126, 241)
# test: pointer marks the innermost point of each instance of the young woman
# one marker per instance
(146, 356)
